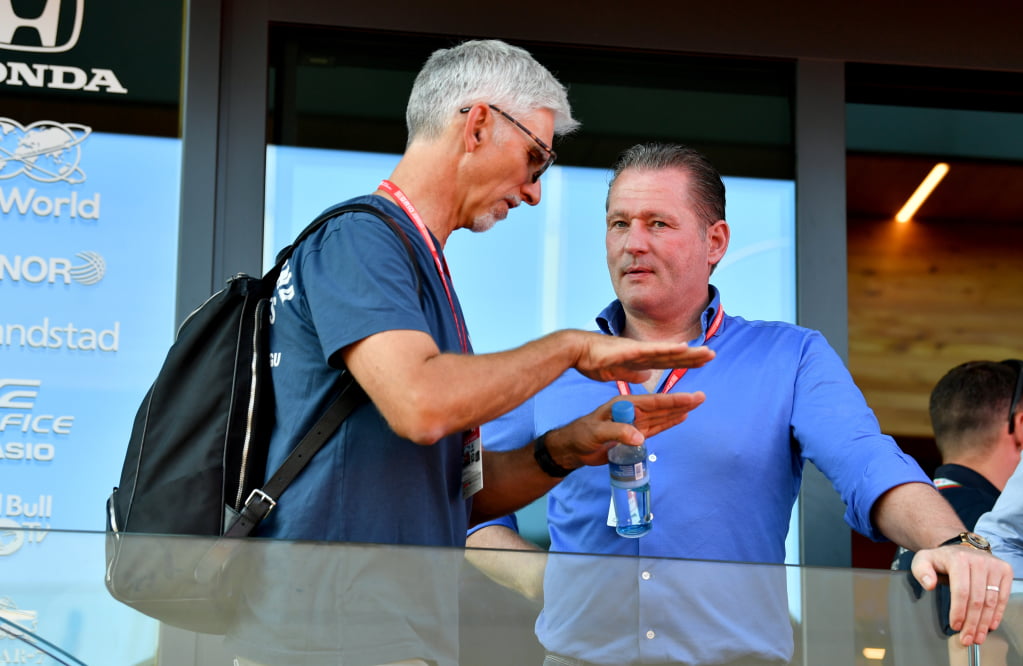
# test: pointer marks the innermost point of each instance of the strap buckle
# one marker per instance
(264, 500)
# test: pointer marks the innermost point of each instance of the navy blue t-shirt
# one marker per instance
(349, 280)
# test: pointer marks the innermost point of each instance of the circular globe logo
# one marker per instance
(45, 150)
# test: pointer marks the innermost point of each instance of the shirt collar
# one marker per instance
(611, 320)
(968, 477)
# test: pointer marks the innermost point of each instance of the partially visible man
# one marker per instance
(1003, 524)
(724, 482)
(1003, 527)
(979, 448)
(979, 451)
(408, 467)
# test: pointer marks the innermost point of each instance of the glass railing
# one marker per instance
(298, 603)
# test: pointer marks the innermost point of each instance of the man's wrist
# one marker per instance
(570, 343)
(545, 461)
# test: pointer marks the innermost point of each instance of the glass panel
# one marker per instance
(282, 602)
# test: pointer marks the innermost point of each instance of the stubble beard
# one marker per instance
(486, 221)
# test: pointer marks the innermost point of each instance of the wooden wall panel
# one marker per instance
(925, 296)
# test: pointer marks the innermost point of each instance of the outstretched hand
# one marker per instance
(979, 582)
(608, 358)
(587, 440)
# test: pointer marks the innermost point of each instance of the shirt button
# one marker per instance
(652, 457)
(650, 634)
(646, 575)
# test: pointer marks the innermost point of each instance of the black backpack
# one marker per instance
(197, 454)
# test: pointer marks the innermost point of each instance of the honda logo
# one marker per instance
(53, 30)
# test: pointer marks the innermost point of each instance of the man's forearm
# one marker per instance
(425, 394)
(523, 572)
(916, 516)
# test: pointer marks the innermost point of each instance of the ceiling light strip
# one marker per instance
(922, 192)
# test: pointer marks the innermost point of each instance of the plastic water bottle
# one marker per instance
(630, 479)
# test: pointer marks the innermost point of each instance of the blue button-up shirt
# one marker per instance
(723, 484)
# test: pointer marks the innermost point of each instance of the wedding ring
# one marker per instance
(994, 588)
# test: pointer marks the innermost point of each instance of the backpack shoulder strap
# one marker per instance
(262, 500)
(341, 209)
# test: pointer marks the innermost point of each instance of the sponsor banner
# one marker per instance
(92, 48)
(88, 257)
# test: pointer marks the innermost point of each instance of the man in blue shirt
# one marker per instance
(725, 480)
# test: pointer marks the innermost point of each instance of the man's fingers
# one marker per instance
(655, 412)
(660, 411)
(1004, 585)
(979, 586)
(653, 404)
(989, 607)
(685, 357)
(630, 375)
(924, 571)
(989, 599)
(979, 613)
(618, 358)
(980, 597)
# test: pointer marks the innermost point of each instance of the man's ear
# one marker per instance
(718, 235)
(476, 129)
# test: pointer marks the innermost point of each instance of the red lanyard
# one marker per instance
(677, 373)
(438, 260)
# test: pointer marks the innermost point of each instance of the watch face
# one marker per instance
(976, 540)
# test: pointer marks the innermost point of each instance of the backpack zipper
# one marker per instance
(251, 412)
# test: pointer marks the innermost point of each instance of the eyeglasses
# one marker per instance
(1018, 364)
(551, 155)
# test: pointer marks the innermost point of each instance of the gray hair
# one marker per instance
(705, 182)
(483, 71)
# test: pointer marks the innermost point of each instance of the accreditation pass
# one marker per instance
(472, 463)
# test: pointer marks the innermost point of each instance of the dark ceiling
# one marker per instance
(973, 191)
(901, 121)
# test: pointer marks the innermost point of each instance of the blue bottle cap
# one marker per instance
(623, 411)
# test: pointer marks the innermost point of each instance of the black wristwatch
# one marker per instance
(545, 461)
(971, 539)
